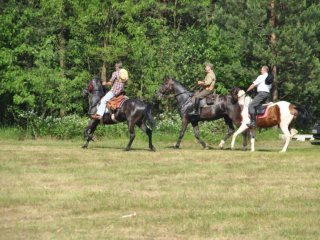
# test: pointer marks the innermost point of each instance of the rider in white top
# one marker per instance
(260, 83)
(263, 94)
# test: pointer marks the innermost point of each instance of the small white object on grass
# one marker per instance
(130, 215)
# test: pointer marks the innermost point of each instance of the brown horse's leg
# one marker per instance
(197, 135)
(230, 126)
(185, 123)
(245, 140)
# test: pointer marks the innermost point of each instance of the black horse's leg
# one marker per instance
(132, 135)
(148, 131)
(89, 130)
(230, 126)
(197, 135)
(185, 123)
(245, 140)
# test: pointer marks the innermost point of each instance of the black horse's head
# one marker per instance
(94, 86)
(167, 87)
(234, 94)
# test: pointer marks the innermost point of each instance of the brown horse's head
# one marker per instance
(167, 87)
(234, 94)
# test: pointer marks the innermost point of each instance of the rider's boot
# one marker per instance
(252, 123)
(196, 107)
(96, 117)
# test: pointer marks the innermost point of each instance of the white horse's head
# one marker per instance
(243, 100)
(241, 97)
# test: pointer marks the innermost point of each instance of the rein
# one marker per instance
(178, 94)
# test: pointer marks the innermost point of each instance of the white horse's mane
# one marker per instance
(243, 100)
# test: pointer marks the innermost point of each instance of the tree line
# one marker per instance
(51, 49)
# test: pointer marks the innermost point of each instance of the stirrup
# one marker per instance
(194, 113)
(252, 125)
(96, 117)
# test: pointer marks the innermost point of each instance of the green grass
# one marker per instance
(51, 189)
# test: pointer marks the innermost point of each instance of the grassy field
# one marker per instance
(51, 189)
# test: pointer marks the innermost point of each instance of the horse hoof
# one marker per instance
(126, 149)
(153, 149)
(84, 147)
(206, 147)
(176, 146)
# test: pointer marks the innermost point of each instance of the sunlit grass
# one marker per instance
(53, 189)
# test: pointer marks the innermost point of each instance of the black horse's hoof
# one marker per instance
(84, 147)
(153, 149)
(126, 149)
(176, 147)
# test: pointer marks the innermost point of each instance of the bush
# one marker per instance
(168, 125)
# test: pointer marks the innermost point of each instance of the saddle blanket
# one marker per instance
(262, 111)
(116, 102)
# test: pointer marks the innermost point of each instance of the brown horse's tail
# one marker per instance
(301, 114)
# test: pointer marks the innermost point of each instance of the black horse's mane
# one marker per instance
(233, 91)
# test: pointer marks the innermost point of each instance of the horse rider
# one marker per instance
(116, 89)
(263, 94)
(207, 87)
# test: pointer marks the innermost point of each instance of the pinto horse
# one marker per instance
(133, 111)
(281, 113)
(225, 107)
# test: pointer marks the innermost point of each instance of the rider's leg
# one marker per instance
(252, 110)
(260, 98)
(197, 97)
(103, 103)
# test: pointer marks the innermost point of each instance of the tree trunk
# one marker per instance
(104, 65)
(62, 51)
(273, 41)
(62, 55)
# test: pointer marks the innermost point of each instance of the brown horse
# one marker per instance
(280, 114)
(132, 111)
(225, 107)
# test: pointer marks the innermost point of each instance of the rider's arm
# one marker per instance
(208, 80)
(252, 86)
(107, 83)
(201, 83)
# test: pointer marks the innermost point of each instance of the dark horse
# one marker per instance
(225, 107)
(134, 111)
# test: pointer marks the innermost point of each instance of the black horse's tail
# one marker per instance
(303, 117)
(148, 118)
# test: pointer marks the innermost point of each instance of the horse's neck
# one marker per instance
(244, 101)
(182, 95)
(98, 88)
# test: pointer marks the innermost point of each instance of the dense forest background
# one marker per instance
(49, 50)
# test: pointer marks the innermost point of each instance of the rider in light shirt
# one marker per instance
(117, 88)
(263, 94)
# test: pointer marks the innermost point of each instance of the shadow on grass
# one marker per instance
(117, 148)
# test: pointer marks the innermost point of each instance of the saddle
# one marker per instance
(210, 98)
(262, 110)
(116, 102)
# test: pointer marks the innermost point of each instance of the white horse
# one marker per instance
(280, 113)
